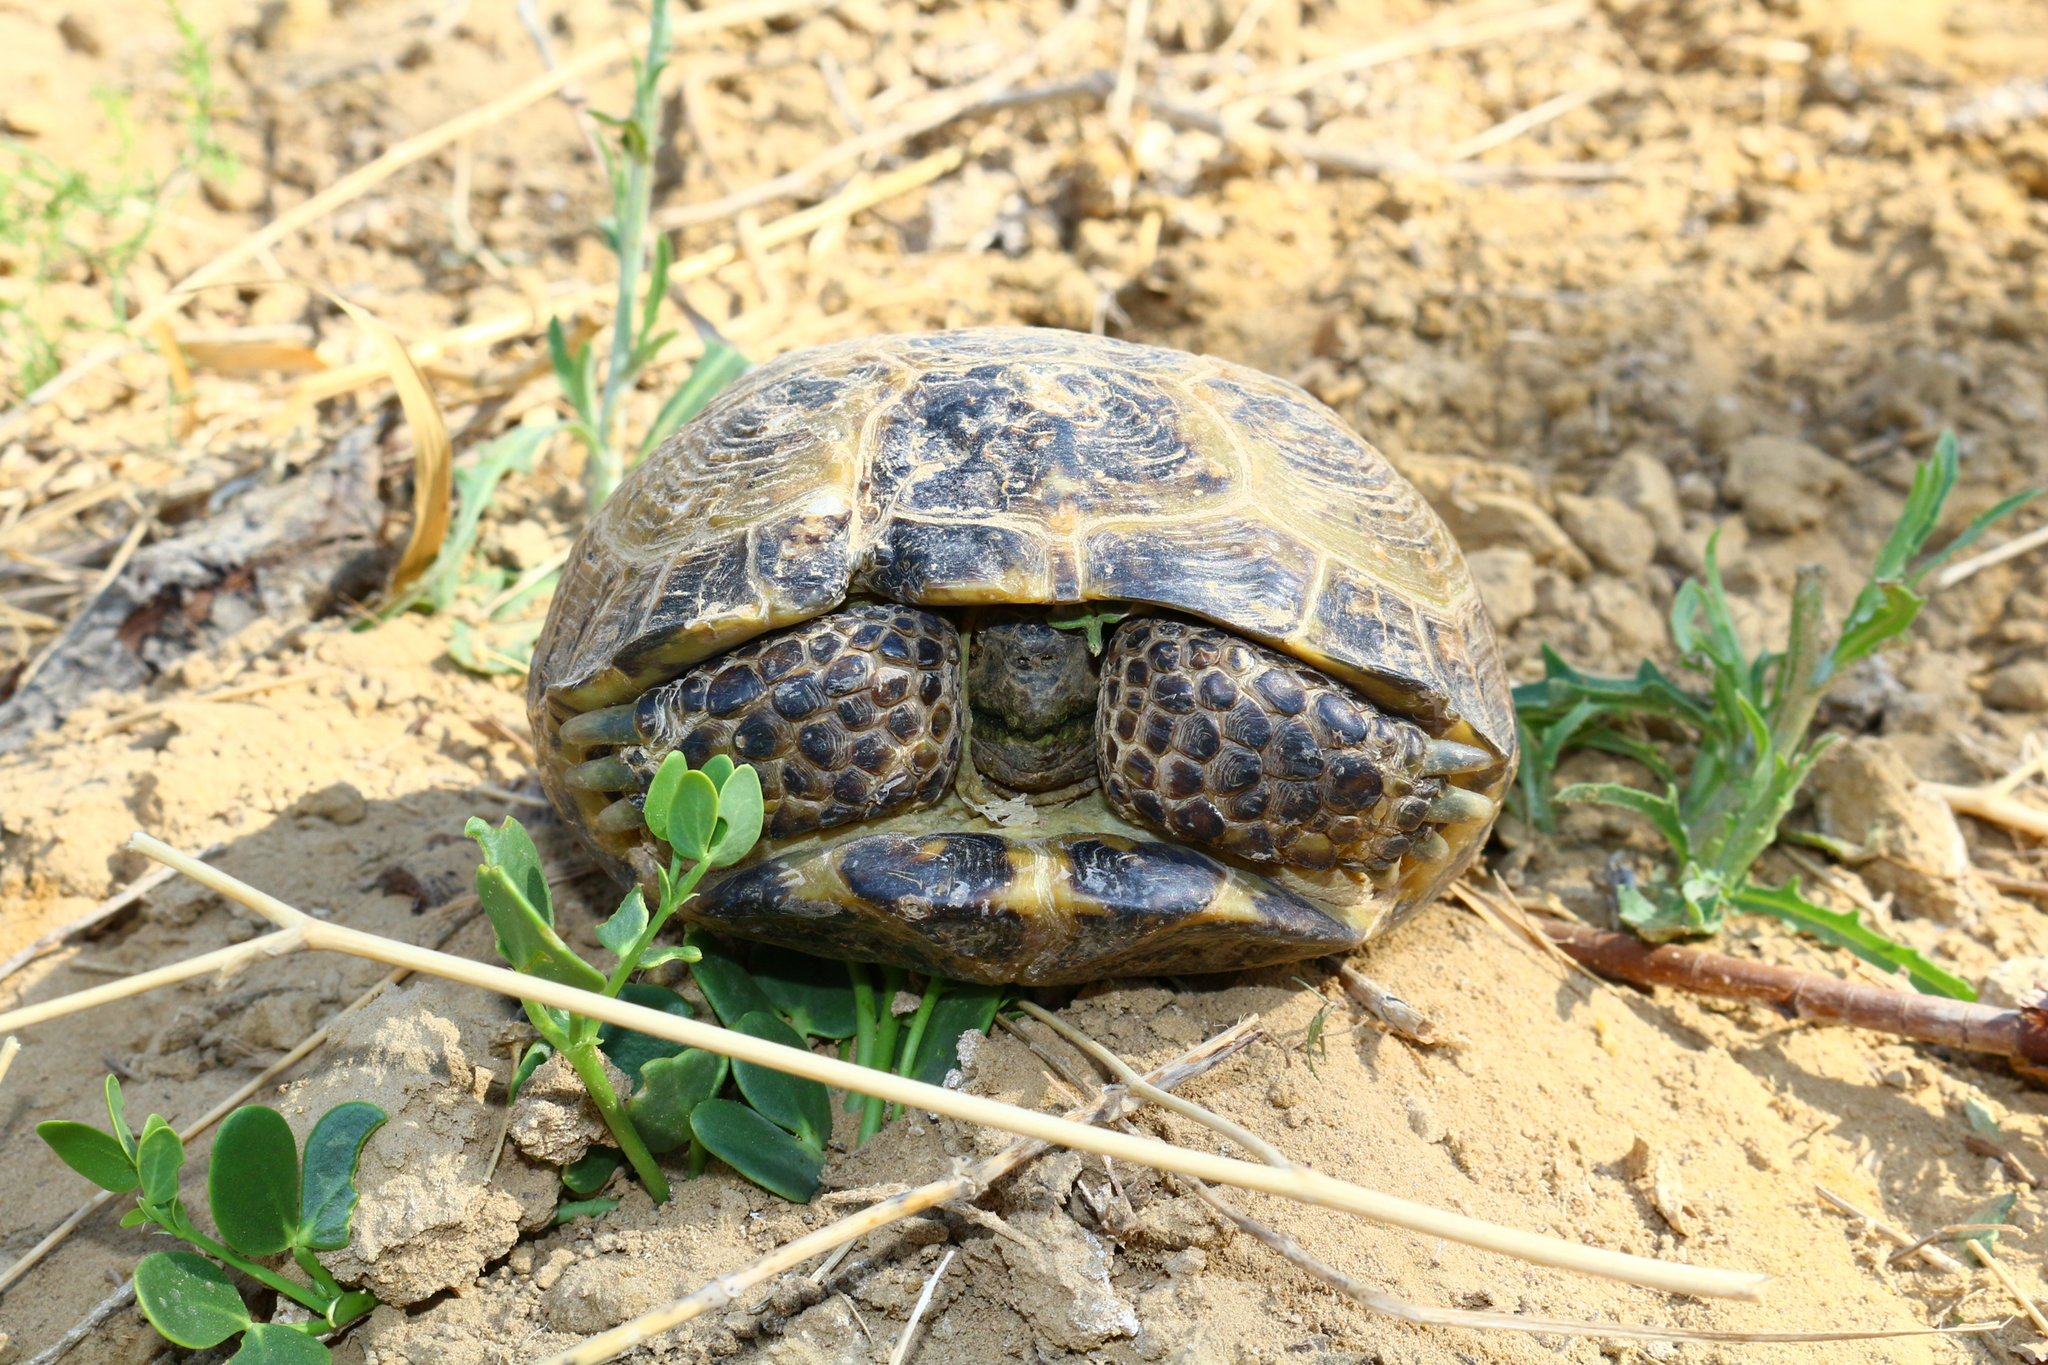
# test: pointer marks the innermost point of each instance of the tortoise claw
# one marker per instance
(1440, 757)
(610, 725)
(620, 817)
(603, 775)
(1456, 806)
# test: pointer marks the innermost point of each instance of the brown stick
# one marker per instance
(2021, 1033)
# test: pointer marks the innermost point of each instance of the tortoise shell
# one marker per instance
(1017, 465)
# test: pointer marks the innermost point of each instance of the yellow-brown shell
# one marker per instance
(1021, 465)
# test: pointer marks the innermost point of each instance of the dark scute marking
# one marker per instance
(1199, 820)
(1352, 782)
(872, 753)
(1137, 673)
(906, 872)
(920, 561)
(934, 786)
(1183, 779)
(1282, 692)
(852, 789)
(930, 687)
(1158, 733)
(779, 658)
(1249, 806)
(857, 713)
(1295, 803)
(1258, 576)
(1237, 770)
(1164, 655)
(757, 737)
(1247, 725)
(820, 744)
(905, 723)
(864, 637)
(930, 653)
(1340, 718)
(799, 781)
(849, 674)
(942, 721)
(1198, 738)
(707, 582)
(1157, 880)
(1294, 752)
(1175, 694)
(1252, 840)
(824, 648)
(1138, 766)
(891, 686)
(1126, 725)
(698, 745)
(1217, 691)
(758, 892)
(895, 790)
(1363, 625)
(1148, 805)
(797, 698)
(894, 647)
(731, 690)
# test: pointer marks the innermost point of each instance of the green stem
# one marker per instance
(906, 1063)
(863, 1014)
(886, 1025)
(317, 1273)
(589, 1066)
(299, 1293)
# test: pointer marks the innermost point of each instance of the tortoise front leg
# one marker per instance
(849, 716)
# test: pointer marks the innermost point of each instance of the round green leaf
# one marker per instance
(159, 1158)
(327, 1196)
(630, 1049)
(718, 767)
(625, 925)
(569, 1210)
(252, 1181)
(740, 811)
(757, 1149)
(270, 1344)
(812, 993)
(692, 815)
(661, 794)
(589, 1175)
(671, 1087)
(725, 982)
(804, 1107)
(189, 1299)
(97, 1156)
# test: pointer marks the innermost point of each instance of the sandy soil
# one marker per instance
(1826, 247)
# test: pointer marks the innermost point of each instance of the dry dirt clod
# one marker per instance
(1062, 1283)
(2021, 686)
(1781, 484)
(1864, 794)
(1616, 537)
(554, 1121)
(1506, 578)
(339, 802)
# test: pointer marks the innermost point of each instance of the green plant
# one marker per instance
(635, 341)
(775, 1132)
(265, 1202)
(1749, 749)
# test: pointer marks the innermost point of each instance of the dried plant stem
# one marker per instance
(1809, 995)
(1120, 98)
(1932, 1255)
(1530, 119)
(104, 1309)
(941, 109)
(129, 544)
(346, 378)
(1397, 1015)
(392, 161)
(1236, 1132)
(2012, 1286)
(226, 961)
(1986, 803)
(2012, 549)
(7, 1050)
(1952, 1230)
(726, 1289)
(924, 1301)
(1306, 1186)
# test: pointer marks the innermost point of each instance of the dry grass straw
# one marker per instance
(7, 1051)
(397, 158)
(924, 1301)
(298, 930)
(840, 1236)
(1422, 1314)
(1932, 1255)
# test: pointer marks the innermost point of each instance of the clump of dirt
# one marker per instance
(1821, 248)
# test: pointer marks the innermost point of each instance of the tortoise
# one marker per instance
(1059, 657)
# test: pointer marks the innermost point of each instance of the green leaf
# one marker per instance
(1845, 929)
(252, 1181)
(669, 952)
(967, 1007)
(629, 1049)
(134, 1218)
(810, 992)
(96, 1155)
(570, 1210)
(725, 982)
(626, 925)
(588, 1175)
(1661, 811)
(693, 816)
(1089, 618)
(670, 1088)
(1983, 522)
(188, 1299)
(1881, 612)
(158, 1159)
(719, 768)
(513, 891)
(804, 1107)
(757, 1149)
(717, 367)
(117, 1113)
(661, 794)
(476, 482)
(265, 1343)
(327, 1194)
(740, 813)
(537, 1054)
(1998, 1210)
(657, 282)
(1980, 1117)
